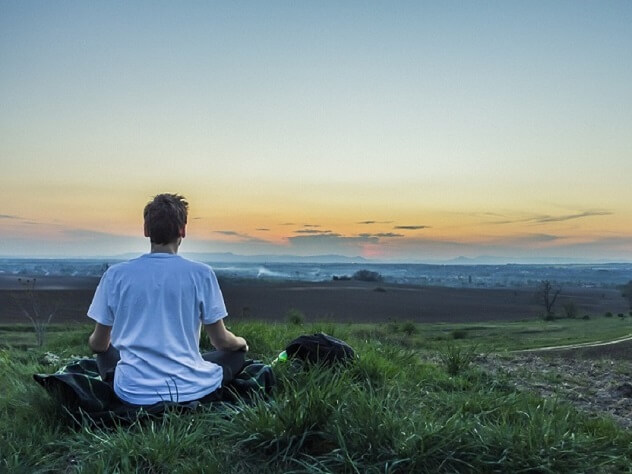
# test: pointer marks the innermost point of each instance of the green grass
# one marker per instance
(498, 336)
(391, 411)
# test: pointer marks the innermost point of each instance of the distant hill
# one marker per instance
(228, 257)
(494, 260)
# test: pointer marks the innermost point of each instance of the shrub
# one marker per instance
(392, 326)
(456, 359)
(34, 308)
(621, 315)
(586, 317)
(409, 328)
(608, 314)
(367, 275)
(458, 334)
(295, 317)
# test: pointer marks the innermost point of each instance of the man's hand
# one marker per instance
(243, 344)
(224, 340)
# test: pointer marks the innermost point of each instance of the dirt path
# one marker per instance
(580, 345)
(595, 377)
(594, 386)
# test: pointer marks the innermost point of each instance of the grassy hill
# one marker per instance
(415, 400)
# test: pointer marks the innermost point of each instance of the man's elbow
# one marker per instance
(97, 345)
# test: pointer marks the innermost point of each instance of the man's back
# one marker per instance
(156, 305)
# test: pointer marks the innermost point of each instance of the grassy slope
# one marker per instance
(391, 412)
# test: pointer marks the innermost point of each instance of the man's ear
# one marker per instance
(183, 231)
(146, 230)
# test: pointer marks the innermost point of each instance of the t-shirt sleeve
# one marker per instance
(100, 309)
(212, 307)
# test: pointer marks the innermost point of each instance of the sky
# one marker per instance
(398, 131)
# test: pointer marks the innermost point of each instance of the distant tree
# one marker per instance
(626, 292)
(34, 309)
(570, 309)
(547, 295)
(367, 275)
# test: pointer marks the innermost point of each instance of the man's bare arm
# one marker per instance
(224, 340)
(99, 340)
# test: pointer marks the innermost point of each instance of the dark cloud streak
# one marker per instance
(411, 227)
(545, 219)
(568, 217)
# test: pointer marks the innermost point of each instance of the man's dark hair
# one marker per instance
(164, 216)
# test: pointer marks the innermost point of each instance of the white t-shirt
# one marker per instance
(156, 305)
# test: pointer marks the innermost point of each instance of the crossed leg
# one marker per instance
(231, 363)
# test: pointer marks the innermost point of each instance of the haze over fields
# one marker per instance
(393, 131)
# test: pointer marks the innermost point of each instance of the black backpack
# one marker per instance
(320, 348)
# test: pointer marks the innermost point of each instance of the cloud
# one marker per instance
(244, 237)
(382, 234)
(311, 225)
(569, 217)
(262, 229)
(312, 231)
(288, 223)
(53, 241)
(8, 216)
(541, 237)
(411, 227)
(544, 219)
(374, 222)
(331, 242)
(509, 221)
(526, 239)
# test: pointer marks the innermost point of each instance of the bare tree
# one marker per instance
(626, 292)
(547, 294)
(33, 308)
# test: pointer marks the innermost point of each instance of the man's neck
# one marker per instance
(171, 247)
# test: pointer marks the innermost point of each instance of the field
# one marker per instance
(419, 398)
(336, 301)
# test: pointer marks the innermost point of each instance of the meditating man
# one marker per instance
(149, 312)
